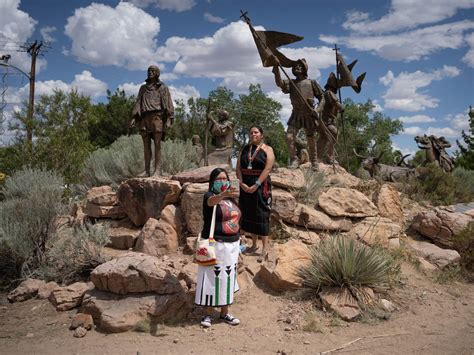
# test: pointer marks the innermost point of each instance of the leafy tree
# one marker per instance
(465, 155)
(110, 120)
(365, 129)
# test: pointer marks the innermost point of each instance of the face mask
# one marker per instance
(220, 186)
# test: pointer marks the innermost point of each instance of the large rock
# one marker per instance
(288, 178)
(284, 204)
(45, 290)
(340, 301)
(376, 230)
(197, 175)
(136, 273)
(96, 211)
(434, 254)
(69, 297)
(118, 313)
(308, 217)
(388, 203)
(158, 237)
(441, 225)
(343, 202)
(144, 198)
(191, 205)
(102, 196)
(26, 290)
(337, 176)
(280, 272)
(122, 238)
(305, 235)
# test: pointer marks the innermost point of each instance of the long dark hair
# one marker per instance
(260, 129)
(214, 174)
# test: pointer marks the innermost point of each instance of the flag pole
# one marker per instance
(341, 113)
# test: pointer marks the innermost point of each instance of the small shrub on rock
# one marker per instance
(313, 185)
(343, 262)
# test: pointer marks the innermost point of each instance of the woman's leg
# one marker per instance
(224, 311)
(264, 253)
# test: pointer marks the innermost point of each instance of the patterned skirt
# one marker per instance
(217, 284)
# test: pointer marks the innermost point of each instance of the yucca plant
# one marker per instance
(313, 185)
(345, 263)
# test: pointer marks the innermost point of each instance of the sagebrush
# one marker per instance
(345, 263)
(313, 185)
(32, 200)
(123, 159)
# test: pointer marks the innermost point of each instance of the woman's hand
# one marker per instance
(252, 189)
(231, 192)
(244, 187)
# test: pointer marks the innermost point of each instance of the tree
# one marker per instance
(61, 137)
(465, 155)
(110, 120)
(365, 129)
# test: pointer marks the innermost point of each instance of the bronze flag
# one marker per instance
(345, 73)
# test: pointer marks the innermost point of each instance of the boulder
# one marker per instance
(26, 290)
(191, 205)
(343, 202)
(434, 254)
(441, 225)
(157, 237)
(143, 198)
(190, 246)
(69, 297)
(45, 290)
(341, 302)
(308, 217)
(122, 238)
(338, 178)
(197, 175)
(82, 320)
(306, 236)
(288, 179)
(376, 230)
(283, 205)
(136, 273)
(387, 200)
(280, 271)
(114, 313)
(102, 196)
(96, 211)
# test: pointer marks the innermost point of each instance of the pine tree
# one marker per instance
(465, 155)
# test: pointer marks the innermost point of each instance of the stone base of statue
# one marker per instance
(220, 156)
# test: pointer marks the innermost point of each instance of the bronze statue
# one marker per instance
(196, 141)
(436, 151)
(301, 146)
(153, 114)
(222, 131)
(302, 93)
(329, 108)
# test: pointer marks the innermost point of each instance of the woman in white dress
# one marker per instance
(217, 284)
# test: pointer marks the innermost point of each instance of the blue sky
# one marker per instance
(419, 55)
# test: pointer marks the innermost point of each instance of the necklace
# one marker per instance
(252, 156)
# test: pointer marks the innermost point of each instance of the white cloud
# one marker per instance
(447, 132)
(130, 88)
(213, 19)
(84, 83)
(377, 107)
(404, 151)
(285, 102)
(123, 36)
(405, 14)
(171, 5)
(410, 45)
(469, 56)
(230, 55)
(416, 119)
(16, 27)
(459, 121)
(402, 93)
(46, 33)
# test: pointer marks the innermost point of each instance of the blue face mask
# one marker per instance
(220, 186)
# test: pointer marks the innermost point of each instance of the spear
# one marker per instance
(208, 110)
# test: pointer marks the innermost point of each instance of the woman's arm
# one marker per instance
(229, 193)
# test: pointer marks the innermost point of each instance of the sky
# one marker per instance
(418, 55)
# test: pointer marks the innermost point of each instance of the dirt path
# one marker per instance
(431, 319)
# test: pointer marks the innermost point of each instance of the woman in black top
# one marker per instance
(217, 284)
(253, 169)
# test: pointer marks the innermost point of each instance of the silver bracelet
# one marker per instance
(258, 183)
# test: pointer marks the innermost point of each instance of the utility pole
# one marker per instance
(33, 50)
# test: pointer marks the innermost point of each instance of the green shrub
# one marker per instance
(439, 187)
(32, 199)
(178, 156)
(72, 254)
(344, 263)
(464, 244)
(313, 185)
(124, 159)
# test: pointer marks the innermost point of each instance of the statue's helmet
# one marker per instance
(303, 64)
(332, 82)
(223, 115)
(155, 68)
(195, 138)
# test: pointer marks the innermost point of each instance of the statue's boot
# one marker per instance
(312, 153)
(290, 141)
